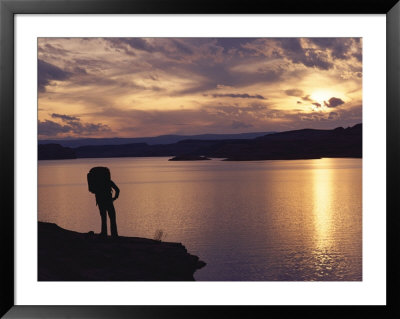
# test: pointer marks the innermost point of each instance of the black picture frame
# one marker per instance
(9, 8)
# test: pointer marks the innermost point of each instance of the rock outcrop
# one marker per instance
(65, 255)
(189, 158)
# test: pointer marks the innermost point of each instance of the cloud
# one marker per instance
(80, 71)
(340, 48)
(237, 46)
(94, 64)
(181, 47)
(292, 45)
(210, 76)
(358, 56)
(323, 42)
(315, 59)
(316, 104)
(169, 47)
(48, 72)
(294, 51)
(64, 117)
(72, 125)
(306, 98)
(147, 86)
(294, 92)
(334, 102)
(244, 96)
(203, 63)
(50, 128)
(136, 43)
(51, 49)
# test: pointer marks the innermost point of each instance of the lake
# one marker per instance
(298, 220)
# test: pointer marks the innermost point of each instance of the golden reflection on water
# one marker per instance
(323, 239)
(322, 188)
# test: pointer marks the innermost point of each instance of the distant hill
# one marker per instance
(298, 144)
(162, 139)
(55, 151)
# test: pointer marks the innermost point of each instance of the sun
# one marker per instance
(321, 96)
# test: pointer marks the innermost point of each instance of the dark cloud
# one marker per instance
(48, 72)
(64, 117)
(306, 98)
(244, 96)
(234, 45)
(299, 102)
(316, 104)
(91, 64)
(315, 59)
(324, 42)
(294, 92)
(137, 43)
(219, 74)
(182, 47)
(50, 128)
(293, 50)
(358, 56)
(334, 102)
(80, 71)
(96, 80)
(292, 45)
(169, 47)
(340, 48)
(73, 125)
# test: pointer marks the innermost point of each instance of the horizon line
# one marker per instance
(172, 134)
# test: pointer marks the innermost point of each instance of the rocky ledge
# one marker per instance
(70, 256)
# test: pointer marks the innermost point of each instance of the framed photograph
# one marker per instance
(173, 159)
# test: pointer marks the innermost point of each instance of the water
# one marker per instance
(249, 221)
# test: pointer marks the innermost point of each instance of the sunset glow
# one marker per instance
(135, 87)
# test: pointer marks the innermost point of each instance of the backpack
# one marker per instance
(98, 179)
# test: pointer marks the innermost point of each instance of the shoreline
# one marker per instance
(222, 159)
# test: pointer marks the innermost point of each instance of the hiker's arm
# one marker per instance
(116, 190)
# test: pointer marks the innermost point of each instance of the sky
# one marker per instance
(142, 87)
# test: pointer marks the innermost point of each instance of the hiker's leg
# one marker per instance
(113, 222)
(103, 215)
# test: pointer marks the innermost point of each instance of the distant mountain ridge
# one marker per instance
(298, 144)
(162, 139)
(54, 152)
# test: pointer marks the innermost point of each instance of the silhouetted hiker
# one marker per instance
(100, 184)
